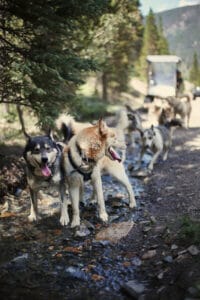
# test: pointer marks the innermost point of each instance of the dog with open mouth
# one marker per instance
(43, 167)
(82, 159)
(70, 127)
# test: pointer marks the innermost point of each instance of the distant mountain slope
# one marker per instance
(182, 30)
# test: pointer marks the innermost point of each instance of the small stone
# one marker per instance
(160, 275)
(160, 229)
(193, 291)
(168, 259)
(153, 219)
(174, 247)
(82, 231)
(182, 252)
(146, 229)
(193, 250)
(158, 199)
(149, 254)
(134, 288)
(115, 231)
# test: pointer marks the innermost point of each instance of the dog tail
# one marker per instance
(174, 123)
(188, 98)
(67, 132)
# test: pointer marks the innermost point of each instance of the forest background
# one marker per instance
(49, 49)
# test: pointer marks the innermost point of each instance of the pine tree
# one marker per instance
(150, 42)
(41, 57)
(195, 71)
(162, 42)
(154, 43)
(116, 45)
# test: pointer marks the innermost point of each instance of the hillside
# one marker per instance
(181, 27)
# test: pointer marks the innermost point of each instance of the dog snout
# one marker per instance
(44, 159)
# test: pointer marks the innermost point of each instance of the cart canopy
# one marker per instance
(163, 58)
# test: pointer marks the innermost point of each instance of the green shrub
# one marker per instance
(190, 230)
(90, 108)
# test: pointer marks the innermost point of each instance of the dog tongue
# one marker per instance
(114, 154)
(46, 171)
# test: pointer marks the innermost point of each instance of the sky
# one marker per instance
(161, 5)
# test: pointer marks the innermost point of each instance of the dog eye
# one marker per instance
(48, 148)
(36, 151)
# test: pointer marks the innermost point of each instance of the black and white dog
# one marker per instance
(43, 164)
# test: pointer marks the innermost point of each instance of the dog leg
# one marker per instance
(93, 197)
(64, 216)
(140, 158)
(34, 206)
(97, 184)
(74, 194)
(118, 172)
(154, 159)
(165, 155)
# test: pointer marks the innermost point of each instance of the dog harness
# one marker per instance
(86, 176)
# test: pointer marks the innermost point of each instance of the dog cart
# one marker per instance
(163, 76)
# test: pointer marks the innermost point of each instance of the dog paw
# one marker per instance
(132, 204)
(75, 223)
(64, 220)
(103, 216)
(150, 168)
(32, 217)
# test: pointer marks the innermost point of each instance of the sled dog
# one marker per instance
(87, 152)
(182, 108)
(159, 140)
(43, 167)
(106, 165)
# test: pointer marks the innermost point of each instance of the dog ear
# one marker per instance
(67, 132)
(141, 133)
(50, 134)
(27, 136)
(152, 128)
(103, 129)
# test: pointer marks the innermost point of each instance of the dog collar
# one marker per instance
(86, 176)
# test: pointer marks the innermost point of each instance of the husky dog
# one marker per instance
(82, 161)
(135, 118)
(158, 140)
(182, 108)
(166, 115)
(43, 165)
(106, 165)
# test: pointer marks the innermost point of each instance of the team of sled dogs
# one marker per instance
(88, 150)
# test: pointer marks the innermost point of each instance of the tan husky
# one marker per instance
(116, 169)
(87, 152)
(181, 106)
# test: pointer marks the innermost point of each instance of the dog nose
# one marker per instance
(44, 159)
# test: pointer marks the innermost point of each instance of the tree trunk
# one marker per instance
(21, 120)
(104, 87)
